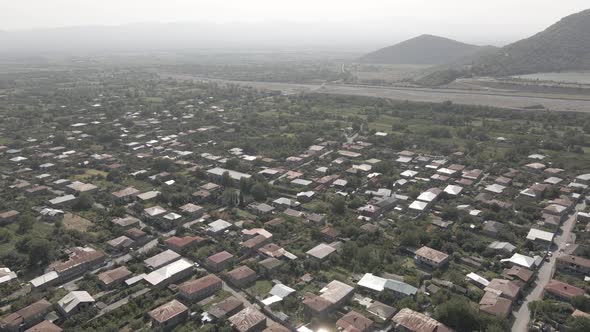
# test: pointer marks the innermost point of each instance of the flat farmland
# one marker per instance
(504, 99)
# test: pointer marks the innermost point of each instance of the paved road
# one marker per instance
(545, 274)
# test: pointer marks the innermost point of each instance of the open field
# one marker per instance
(501, 99)
(73, 221)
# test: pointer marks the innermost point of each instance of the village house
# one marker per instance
(320, 252)
(45, 326)
(506, 288)
(120, 244)
(220, 261)
(75, 302)
(540, 237)
(125, 195)
(193, 210)
(169, 315)
(248, 319)
(170, 273)
(26, 317)
(408, 320)
(161, 259)
(242, 276)
(431, 257)
(216, 174)
(80, 260)
(62, 201)
(218, 226)
(112, 278)
(260, 209)
(137, 235)
(199, 289)
(562, 291)
(7, 217)
(81, 187)
(519, 275)
(493, 304)
(354, 321)
(178, 244)
(126, 222)
(270, 264)
(573, 264)
(226, 308)
(378, 285)
(333, 296)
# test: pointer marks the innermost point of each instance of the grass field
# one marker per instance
(88, 174)
(73, 221)
(40, 229)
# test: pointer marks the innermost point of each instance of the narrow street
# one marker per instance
(523, 315)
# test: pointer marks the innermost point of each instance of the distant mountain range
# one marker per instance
(426, 50)
(563, 46)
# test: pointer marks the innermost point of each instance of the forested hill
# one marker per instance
(425, 49)
(563, 46)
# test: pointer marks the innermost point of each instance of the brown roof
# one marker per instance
(246, 319)
(26, 313)
(9, 214)
(167, 311)
(562, 289)
(78, 256)
(184, 241)
(275, 327)
(353, 321)
(221, 309)
(129, 191)
(270, 263)
(196, 285)
(316, 303)
(432, 254)
(45, 326)
(254, 242)
(576, 260)
(241, 273)
(417, 322)
(114, 275)
(519, 272)
(275, 222)
(506, 287)
(202, 193)
(220, 257)
(135, 233)
(271, 250)
(491, 303)
(381, 310)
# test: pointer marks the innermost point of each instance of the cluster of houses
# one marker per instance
(202, 253)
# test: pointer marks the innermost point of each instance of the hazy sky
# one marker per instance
(483, 21)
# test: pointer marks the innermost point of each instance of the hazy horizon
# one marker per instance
(358, 26)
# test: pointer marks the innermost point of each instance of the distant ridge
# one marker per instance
(425, 50)
(563, 46)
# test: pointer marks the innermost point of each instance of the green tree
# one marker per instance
(258, 192)
(5, 236)
(83, 202)
(25, 223)
(459, 314)
(226, 180)
(230, 197)
(578, 324)
(338, 204)
(40, 251)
